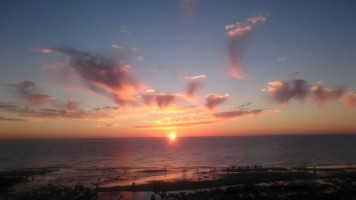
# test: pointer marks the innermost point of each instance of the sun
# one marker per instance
(172, 136)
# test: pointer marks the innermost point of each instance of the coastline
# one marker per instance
(234, 181)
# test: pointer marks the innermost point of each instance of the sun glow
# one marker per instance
(172, 136)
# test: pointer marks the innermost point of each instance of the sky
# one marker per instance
(129, 68)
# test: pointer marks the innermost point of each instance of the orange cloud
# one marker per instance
(349, 99)
(179, 122)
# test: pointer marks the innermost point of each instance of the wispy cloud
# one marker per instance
(238, 34)
(140, 58)
(193, 84)
(238, 113)
(107, 125)
(349, 99)
(187, 6)
(29, 92)
(44, 50)
(12, 119)
(179, 122)
(116, 46)
(196, 77)
(51, 113)
(214, 100)
(125, 31)
(282, 59)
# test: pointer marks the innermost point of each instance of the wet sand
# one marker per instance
(230, 179)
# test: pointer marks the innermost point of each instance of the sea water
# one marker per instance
(121, 161)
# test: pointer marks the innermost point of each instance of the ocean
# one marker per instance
(112, 162)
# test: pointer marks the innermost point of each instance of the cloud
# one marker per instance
(161, 100)
(349, 99)
(140, 58)
(43, 50)
(187, 6)
(116, 46)
(239, 113)
(103, 75)
(214, 100)
(29, 92)
(177, 125)
(124, 31)
(11, 119)
(52, 113)
(323, 94)
(179, 122)
(108, 125)
(296, 73)
(282, 92)
(72, 104)
(238, 34)
(200, 76)
(193, 85)
(282, 59)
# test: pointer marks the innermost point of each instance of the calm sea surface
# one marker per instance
(95, 160)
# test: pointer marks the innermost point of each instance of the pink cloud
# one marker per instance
(349, 99)
(323, 94)
(214, 100)
(237, 37)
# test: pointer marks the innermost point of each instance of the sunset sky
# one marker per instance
(98, 69)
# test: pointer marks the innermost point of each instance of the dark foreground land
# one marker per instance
(279, 184)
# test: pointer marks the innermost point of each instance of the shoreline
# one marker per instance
(240, 180)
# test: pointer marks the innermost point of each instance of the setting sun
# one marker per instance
(172, 136)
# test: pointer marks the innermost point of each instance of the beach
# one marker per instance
(232, 182)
